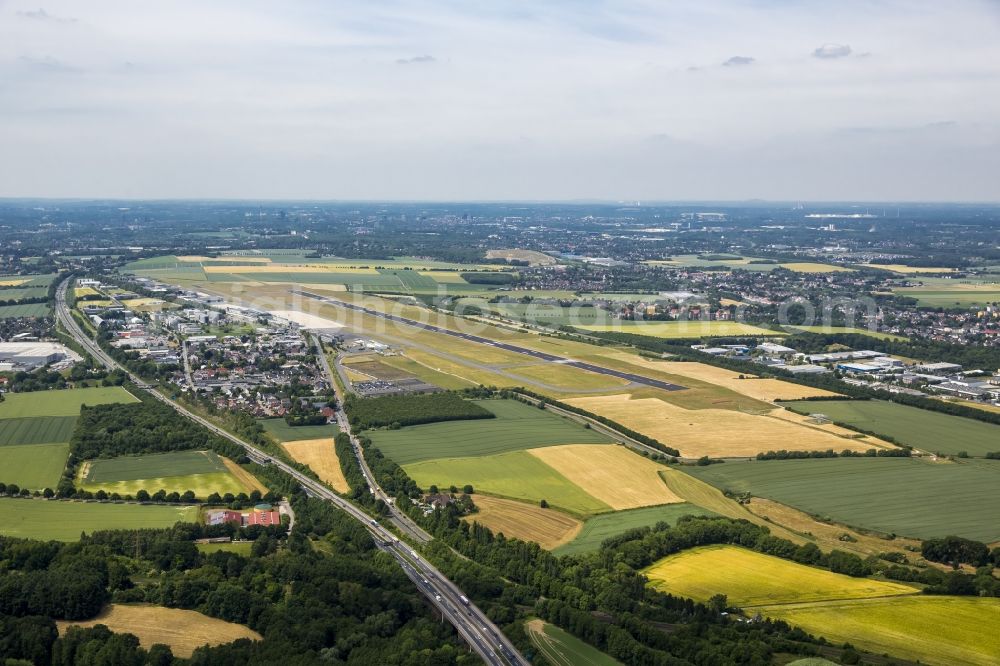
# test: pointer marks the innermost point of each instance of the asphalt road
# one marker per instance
(542, 356)
(470, 622)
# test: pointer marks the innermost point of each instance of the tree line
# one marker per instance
(396, 411)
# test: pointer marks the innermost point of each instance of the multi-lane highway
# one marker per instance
(544, 356)
(470, 622)
(400, 519)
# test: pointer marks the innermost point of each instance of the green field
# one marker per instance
(934, 630)
(60, 403)
(63, 521)
(34, 466)
(952, 292)
(36, 430)
(561, 648)
(20, 293)
(597, 529)
(128, 468)
(920, 428)
(281, 431)
(880, 616)
(517, 426)
(515, 474)
(238, 547)
(24, 310)
(200, 471)
(749, 578)
(910, 497)
(682, 329)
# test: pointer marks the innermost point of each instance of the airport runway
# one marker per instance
(543, 356)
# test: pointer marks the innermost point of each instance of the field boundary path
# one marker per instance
(471, 623)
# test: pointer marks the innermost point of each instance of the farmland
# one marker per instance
(613, 474)
(319, 455)
(282, 432)
(203, 472)
(833, 330)
(597, 529)
(952, 293)
(712, 432)
(36, 430)
(517, 426)
(879, 616)
(767, 390)
(63, 521)
(935, 630)
(529, 522)
(749, 578)
(34, 466)
(749, 264)
(561, 648)
(60, 403)
(920, 428)
(682, 329)
(515, 474)
(912, 497)
(24, 310)
(182, 630)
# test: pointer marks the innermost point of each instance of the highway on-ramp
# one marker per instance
(470, 622)
(506, 346)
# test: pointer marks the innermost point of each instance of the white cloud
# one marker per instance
(737, 61)
(248, 98)
(832, 51)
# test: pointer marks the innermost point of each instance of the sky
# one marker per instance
(639, 100)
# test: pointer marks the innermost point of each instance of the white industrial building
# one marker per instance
(32, 355)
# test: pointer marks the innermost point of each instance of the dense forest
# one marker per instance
(325, 594)
(395, 411)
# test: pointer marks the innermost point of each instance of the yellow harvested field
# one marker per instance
(14, 282)
(321, 457)
(768, 390)
(142, 302)
(246, 478)
(182, 630)
(718, 433)
(613, 474)
(549, 528)
(80, 292)
(290, 268)
(444, 277)
(810, 267)
(804, 420)
(531, 256)
(900, 268)
(726, 302)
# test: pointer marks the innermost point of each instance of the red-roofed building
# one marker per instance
(265, 518)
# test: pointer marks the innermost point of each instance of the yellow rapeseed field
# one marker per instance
(749, 578)
(613, 474)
